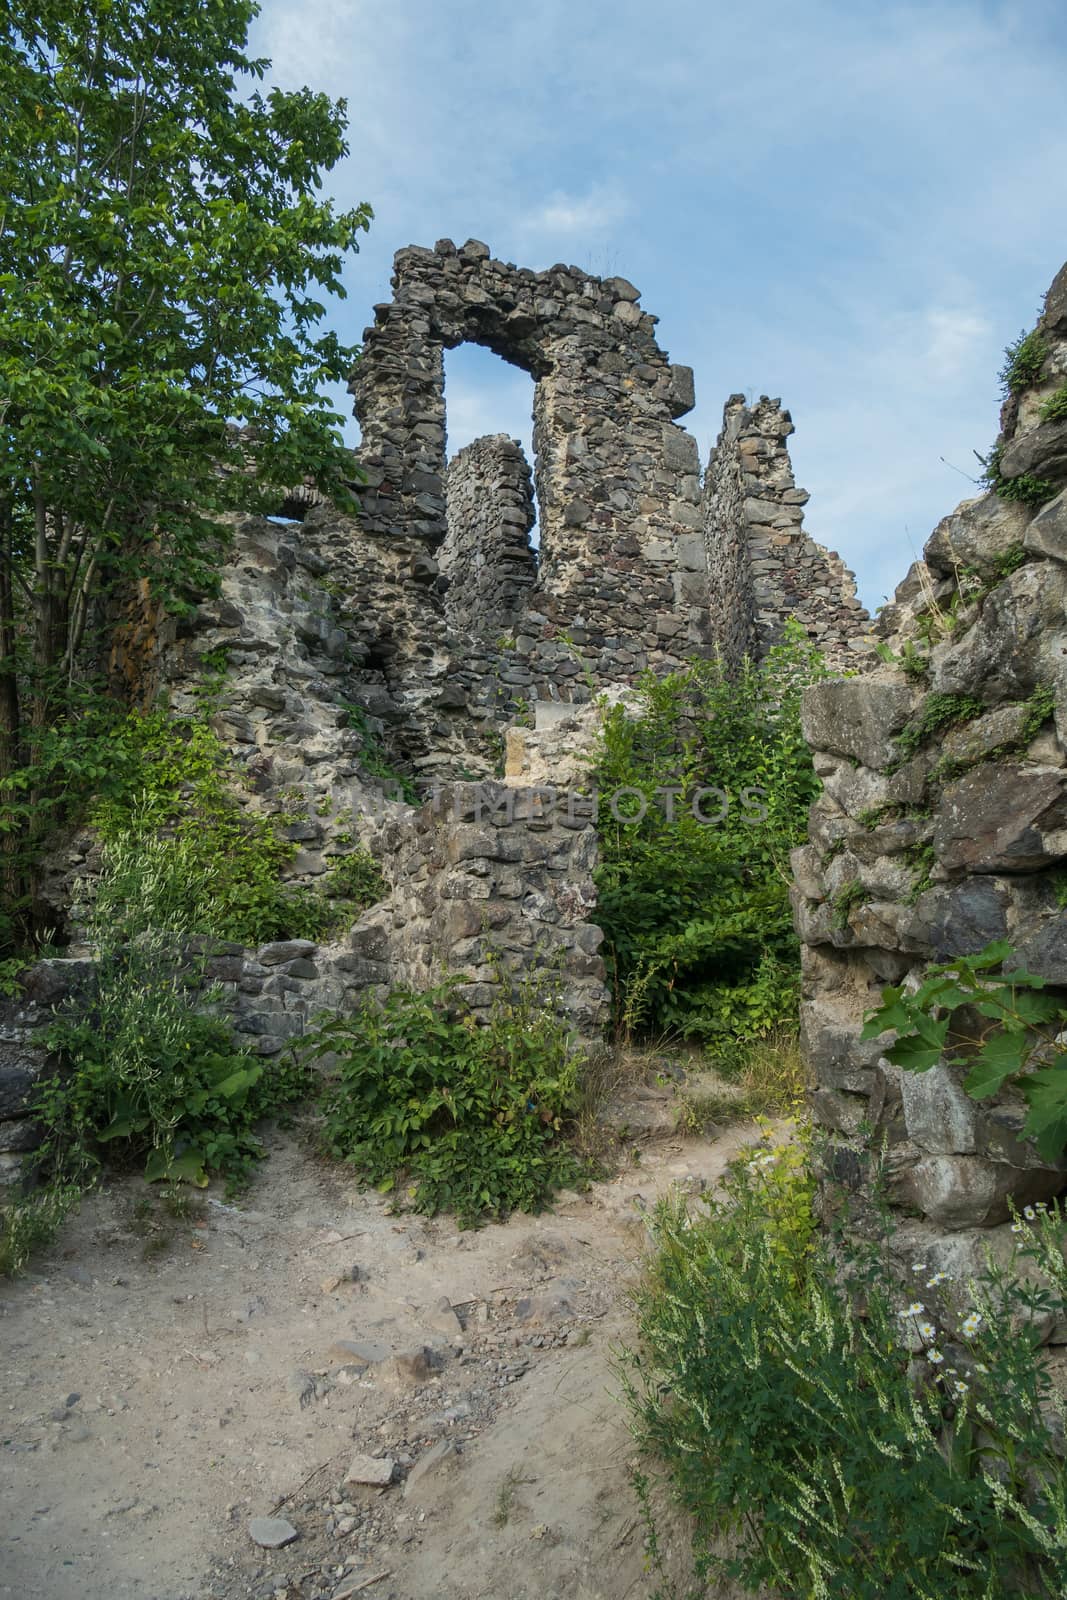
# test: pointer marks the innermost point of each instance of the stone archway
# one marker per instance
(622, 570)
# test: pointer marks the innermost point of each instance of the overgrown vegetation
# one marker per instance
(147, 1078)
(695, 907)
(1023, 362)
(181, 854)
(1025, 488)
(448, 1113)
(1054, 409)
(815, 1451)
(1001, 1025)
(937, 712)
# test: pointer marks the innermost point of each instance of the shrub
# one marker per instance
(815, 1454)
(699, 931)
(469, 1116)
(147, 1079)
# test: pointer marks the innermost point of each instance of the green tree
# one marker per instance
(162, 244)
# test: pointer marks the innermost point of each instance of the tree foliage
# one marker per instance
(163, 253)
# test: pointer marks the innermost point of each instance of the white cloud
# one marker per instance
(577, 216)
(953, 338)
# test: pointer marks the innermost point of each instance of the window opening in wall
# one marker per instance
(484, 394)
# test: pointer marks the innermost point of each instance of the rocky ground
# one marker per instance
(307, 1396)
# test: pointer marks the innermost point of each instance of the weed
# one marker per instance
(850, 895)
(699, 932)
(453, 1114)
(507, 1495)
(30, 1225)
(1000, 1025)
(937, 712)
(1054, 409)
(778, 1395)
(1023, 362)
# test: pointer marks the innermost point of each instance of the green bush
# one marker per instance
(468, 1116)
(699, 933)
(817, 1454)
(148, 1080)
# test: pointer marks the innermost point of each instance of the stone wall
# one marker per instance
(621, 570)
(925, 846)
(486, 559)
(766, 569)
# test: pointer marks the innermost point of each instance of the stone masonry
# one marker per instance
(925, 848)
(487, 560)
(767, 569)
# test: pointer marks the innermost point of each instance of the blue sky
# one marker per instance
(851, 204)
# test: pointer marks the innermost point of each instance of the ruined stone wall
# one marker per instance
(621, 571)
(486, 559)
(765, 569)
(928, 845)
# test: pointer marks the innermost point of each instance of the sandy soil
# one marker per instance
(165, 1381)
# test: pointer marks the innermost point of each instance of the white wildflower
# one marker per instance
(1016, 1227)
(927, 1331)
(971, 1324)
(916, 1309)
(1029, 1213)
(938, 1278)
(935, 1356)
(959, 1388)
(920, 1266)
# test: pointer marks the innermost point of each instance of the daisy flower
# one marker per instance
(935, 1356)
(971, 1324)
(916, 1309)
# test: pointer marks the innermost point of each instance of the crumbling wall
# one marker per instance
(765, 569)
(487, 560)
(621, 570)
(943, 826)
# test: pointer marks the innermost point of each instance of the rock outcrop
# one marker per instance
(943, 824)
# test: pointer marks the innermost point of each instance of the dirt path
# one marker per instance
(154, 1401)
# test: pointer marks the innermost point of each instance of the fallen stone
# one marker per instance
(375, 1471)
(554, 1305)
(445, 1321)
(428, 1464)
(350, 1352)
(271, 1533)
(408, 1368)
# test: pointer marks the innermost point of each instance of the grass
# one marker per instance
(752, 1078)
(506, 1496)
